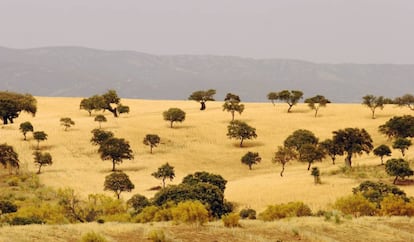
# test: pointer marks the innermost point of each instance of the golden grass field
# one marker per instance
(199, 144)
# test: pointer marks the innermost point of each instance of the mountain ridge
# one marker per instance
(81, 71)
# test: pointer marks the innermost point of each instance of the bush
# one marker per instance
(356, 205)
(26, 220)
(231, 220)
(138, 202)
(7, 207)
(396, 206)
(157, 236)
(44, 212)
(247, 213)
(147, 214)
(291, 209)
(93, 237)
(376, 191)
(190, 212)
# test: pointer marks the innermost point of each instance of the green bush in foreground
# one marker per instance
(231, 220)
(356, 205)
(279, 211)
(193, 212)
(93, 237)
(396, 206)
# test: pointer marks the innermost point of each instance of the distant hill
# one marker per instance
(78, 71)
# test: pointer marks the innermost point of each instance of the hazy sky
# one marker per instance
(360, 31)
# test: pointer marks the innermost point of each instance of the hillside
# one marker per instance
(199, 144)
(77, 71)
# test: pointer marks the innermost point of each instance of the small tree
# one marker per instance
(283, 155)
(381, 151)
(373, 103)
(202, 97)
(9, 157)
(39, 136)
(100, 118)
(67, 122)
(122, 109)
(174, 115)
(290, 97)
(138, 202)
(240, 130)
(352, 141)
(42, 159)
(311, 153)
(406, 100)
(118, 182)
(116, 150)
(25, 128)
(317, 102)
(299, 138)
(398, 168)
(272, 96)
(331, 149)
(100, 136)
(164, 172)
(232, 104)
(71, 204)
(12, 104)
(402, 144)
(152, 140)
(398, 127)
(250, 159)
(316, 175)
(205, 177)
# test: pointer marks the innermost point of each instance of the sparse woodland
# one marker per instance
(198, 171)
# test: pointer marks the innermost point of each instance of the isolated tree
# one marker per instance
(272, 96)
(299, 138)
(251, 158)
(42, 159)
(353, 141)
(90, 104)
(100, 136)
(283, 155)
(316, 175)
(111, 98)
(373, 102)
(405, 100)
(39, 136)
(205, 177)
(8, 157)
(116, 150)
(398, 127)
(100, 118)
(25, 128)
(331, 149)
(12, 104)
(290, 97)
(311, 153)
(122, 109)
(66, 122)
(107, 101)
(398, 168)
(174, 115)
(381, 151)
(152, 140)
(118, 182)
(316, 102)
(232, 104)
(164, 172)
(240, 130)
(202, 97)
(402, 144)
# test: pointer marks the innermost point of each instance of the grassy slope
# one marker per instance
(199, 143)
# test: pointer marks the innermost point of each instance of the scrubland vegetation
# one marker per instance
(208, 168)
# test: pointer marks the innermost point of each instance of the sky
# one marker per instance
(329, 31)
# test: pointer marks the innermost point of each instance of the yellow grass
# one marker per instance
(198, 144)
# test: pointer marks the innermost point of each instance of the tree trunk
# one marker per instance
(283, 169)
(309, 165)
(403, 152)
(4, 119)
(250, 166)
(38, 144)
(290, 107)
(203, 105)
(395, 180)
(38, 171)
(232, 116)
(24, 134)
(163, 182)
(373, 113)
(316, 112)
(113, 165)
(348, 160)
(333, 160)
(90, 113)
(151, 149)
(114, 111)
(171, 124)
(241, 142)
(382, 160)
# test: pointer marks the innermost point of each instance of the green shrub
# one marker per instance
(190, 212)
(45, 212)
(231, 220)
(157, 236)
(376, 191)
(138, 202)
(93, 237)
(26, 220)
(291, 209)
(356, 205)
(147, 214)
(7, 207)
(396, 206)
(248, 213)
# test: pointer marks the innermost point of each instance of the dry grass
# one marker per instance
(199, 143)
(294, 229)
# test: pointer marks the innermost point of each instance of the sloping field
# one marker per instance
(198, 144)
